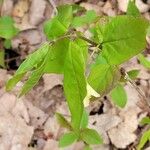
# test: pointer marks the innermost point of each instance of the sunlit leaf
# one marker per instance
(57, 56)
(7, 28)
(91, 136)
(144, 139)
(103, 78)
(58, 25)
(31, 62)
(89, 17)
(33, 80)
(145, 62)
(124, 37)
(85, 119)
(67, 139)
(119, 96)
(90, 92)
(75, 83)
(145, 120)
(132, 9)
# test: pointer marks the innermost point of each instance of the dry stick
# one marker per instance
(147, 127)
(141, 93)
(54, 7)
(1, 5)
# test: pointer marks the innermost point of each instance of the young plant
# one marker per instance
(146, 135)
(7, 32)
(114, 40)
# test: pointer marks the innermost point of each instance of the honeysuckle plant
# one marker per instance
(113, 41)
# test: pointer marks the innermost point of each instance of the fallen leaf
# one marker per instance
(20, 8)
(7, 8)
(103, 123)
(51, 144)
(36, 13)
(15, 134)
(51, 80)
(37, 116)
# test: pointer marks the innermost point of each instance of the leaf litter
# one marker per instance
(26, 120)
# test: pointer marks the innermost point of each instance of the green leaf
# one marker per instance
(88, 18)
(133, 74)
(57, 56)
(33, 59)
(13, 81)
(75, 83)
(148, 31)
(144, 139)
(145, 120)
(132, 9)
(91, 136)
(84, 48)
(65, 15)
(144, 61)
(90, 93)
(97, 31)
(67, 139)
(103, 78)
(62, 121)
(2, 55)
(124, 37)
(31, 62)
(33, 80)
(85, 119)
(100, 60)
(54, 28)
(58, 25)
(119, 96)
(7, 28)
(7, 43)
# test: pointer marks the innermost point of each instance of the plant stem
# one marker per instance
(54, 7)
(78, 36)
(88, 40)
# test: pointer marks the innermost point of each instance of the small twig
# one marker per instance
(1, 5)
(88, 40)
(141, 93)
(11, 59)
(54, 7)
(77, 36)
(147, 127)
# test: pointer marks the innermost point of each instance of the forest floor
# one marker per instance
(28, 123)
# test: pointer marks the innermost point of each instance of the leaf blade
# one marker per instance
(91, 136)
(31, 61)
(103, 78)
(75, 82)
(119, 96)
(62, 121)
(144, 61)
(144, 139)
(67, 139)
(132, 9)
(119, 46)
(7, 28)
